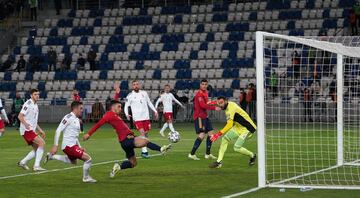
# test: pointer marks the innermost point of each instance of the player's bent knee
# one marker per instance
(237, 148)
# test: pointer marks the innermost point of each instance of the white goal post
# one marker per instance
(308, 111)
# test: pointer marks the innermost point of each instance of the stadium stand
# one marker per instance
(177, 45)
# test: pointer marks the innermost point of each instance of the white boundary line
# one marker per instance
(243, 192)
(63, 169)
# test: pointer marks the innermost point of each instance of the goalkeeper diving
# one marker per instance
(239, 126)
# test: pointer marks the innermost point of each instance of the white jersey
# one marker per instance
(70, 125)
(31, 114)
(2, 110)
(139, 102)
(167, 99)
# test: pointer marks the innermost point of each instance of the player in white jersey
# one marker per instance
(28, 117)
(70, 125)
(167, 99)
(2, 124)
(139, 102)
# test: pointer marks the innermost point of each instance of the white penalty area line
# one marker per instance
(64, 169)
(243, 192)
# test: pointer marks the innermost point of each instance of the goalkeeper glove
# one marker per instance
(216, 136)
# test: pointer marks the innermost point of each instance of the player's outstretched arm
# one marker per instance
(101, 122)
(157, 102)
(205, 106)
(227, 127)
(42, 133)
(175, 100)
(150, 104)
(126, 108)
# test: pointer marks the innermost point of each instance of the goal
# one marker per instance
(308, 111)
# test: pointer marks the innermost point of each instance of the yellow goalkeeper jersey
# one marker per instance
(237, 117)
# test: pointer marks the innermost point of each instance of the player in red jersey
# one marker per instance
(76, 96)
(202, 123)
(126, 137)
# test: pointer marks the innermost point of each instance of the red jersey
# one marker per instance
(117, 96)
(76, 97)
(116, 122)
(200, 106)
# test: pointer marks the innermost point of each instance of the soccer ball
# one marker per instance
(174, 136)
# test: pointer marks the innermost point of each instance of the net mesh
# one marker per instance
(301, 110)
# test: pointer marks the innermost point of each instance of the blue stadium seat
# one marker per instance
(72, 13)
(84, 40)
(124, 85)
(193, 55)
(7, 76)
(98, 22)
(103, 75)
(178, 19)
(220, 17)
(235, 84)
(41, 86)
(139, 65)
(159, 29)
(210, 37)
(204, 46)
(220, 7)
(119, 30)
(157, 74)
(253, 16)
(29, 76)
(200, 28)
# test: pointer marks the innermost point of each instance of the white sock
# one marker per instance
(1, 134)
(164, 127)
(86, 168)
(62, 158)
(171, 126)
(39, 154)
(28, 157)
(144, 150)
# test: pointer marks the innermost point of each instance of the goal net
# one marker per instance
(308, 111)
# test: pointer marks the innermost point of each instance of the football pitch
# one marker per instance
(172, 175)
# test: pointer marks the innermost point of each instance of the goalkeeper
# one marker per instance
(239, 126)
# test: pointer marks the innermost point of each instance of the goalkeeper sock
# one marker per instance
(208, 145)
(196, 146)
(244, 151)
(222, 150)
(153, 146)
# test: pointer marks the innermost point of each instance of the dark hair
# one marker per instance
(167, 85)
(204, 80)
(222, 97)
(75, 104)
(114, 102)
(33, 91)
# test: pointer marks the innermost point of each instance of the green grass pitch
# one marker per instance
(172, 175)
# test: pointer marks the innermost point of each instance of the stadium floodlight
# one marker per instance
(308, 111)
